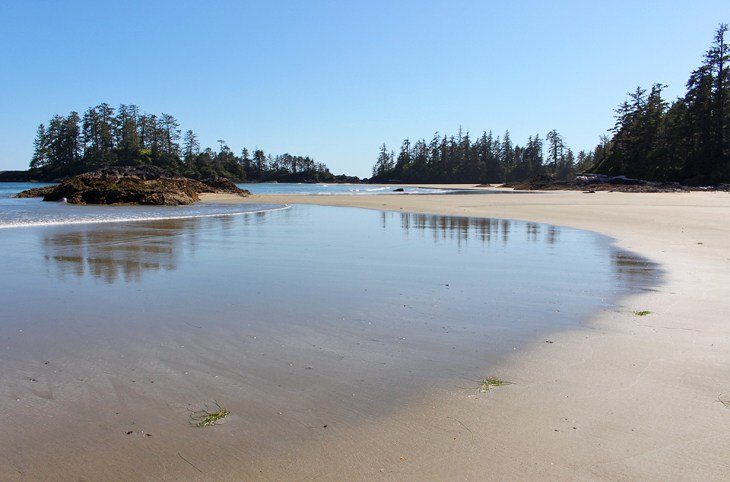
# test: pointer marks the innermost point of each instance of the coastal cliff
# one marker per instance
(132, 185)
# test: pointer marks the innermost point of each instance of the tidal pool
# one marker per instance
(293, 319)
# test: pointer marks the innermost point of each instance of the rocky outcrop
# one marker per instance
(132, 185)
(596, 182)
(36, 192)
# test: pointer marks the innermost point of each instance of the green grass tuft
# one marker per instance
(209, 416)
(491, 382)
(642, 313)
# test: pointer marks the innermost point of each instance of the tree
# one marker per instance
(716, 60)
(384, 164)
(98, 131)
(40, 148)
(556, 146)
(128, 141)
(507, 157)
(191, 148)
(169, 131)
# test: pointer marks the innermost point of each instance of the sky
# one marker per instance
(334, 80)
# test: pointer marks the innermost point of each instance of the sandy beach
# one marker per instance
(628, 397)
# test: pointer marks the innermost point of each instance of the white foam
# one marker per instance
(62, 222)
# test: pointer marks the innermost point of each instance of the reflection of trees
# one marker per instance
(463, 228)
(552, 234)
(115, 251)
(634, 270)
(125, 251)
(532, 230)
(450, 227)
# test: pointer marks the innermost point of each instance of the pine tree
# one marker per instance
(40, 148)
(556, 146)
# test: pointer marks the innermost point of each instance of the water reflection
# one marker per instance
(462, 229)
(634, 270)
(119, 251)
(629, 268)
(125, 251)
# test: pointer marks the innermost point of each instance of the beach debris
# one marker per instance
(209, 416)
(724, 399)
(491, 382)
(642, 313)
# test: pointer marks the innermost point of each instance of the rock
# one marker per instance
(36, 192)
(596, 182)
(132, 185)
(222, 185)
(398, 189)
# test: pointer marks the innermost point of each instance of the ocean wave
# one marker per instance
(40, 221)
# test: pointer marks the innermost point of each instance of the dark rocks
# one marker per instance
(597, 182)
(36, 192)
(132, 185)
(222, 185)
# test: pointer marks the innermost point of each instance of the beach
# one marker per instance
(349, 337)
(627, 397)
(365, 241)
(311, 325)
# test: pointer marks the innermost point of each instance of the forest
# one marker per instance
(106, 137)
(687, 141)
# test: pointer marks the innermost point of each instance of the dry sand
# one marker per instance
(629, 397)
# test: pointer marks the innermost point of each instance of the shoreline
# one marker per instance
(625, 397)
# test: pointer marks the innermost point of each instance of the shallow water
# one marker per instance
(292, 319)
(322, 189)
(16, 213)
(34, 212)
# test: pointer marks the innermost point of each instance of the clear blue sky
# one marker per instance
(335, 79)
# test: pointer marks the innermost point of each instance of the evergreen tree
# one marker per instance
(556, 146)
(40, 148)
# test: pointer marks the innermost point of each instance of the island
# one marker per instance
(133, 185)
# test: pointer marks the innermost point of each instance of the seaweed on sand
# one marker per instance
(491, 382)
(209, 415)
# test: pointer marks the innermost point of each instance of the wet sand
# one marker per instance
(312, 325)
(635, 397)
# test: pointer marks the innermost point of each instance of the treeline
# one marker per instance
(487, 159)
(687, 141)
(106, 137)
